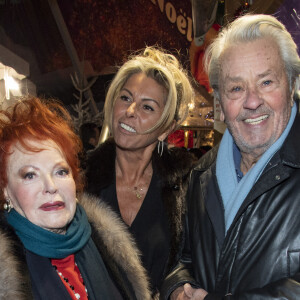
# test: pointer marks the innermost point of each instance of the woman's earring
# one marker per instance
(160, 148)
(7, 205)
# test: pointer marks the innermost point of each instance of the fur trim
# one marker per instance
(119, 243)
(174, 168)
(14, 275)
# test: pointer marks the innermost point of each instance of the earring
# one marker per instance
(7, 205)
(160, 148)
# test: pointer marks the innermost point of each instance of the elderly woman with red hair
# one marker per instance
(56, 242)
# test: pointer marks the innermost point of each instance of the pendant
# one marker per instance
(137, 192)
(138, 195)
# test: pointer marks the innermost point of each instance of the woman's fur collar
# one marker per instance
(14, 275)
(111, 238)
(119, 246)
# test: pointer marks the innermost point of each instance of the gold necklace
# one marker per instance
(140, 191)
(137, 191)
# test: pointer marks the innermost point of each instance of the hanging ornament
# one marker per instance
(243, 9)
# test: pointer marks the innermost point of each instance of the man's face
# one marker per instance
(255, 95)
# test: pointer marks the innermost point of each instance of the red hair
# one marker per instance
(38, 119)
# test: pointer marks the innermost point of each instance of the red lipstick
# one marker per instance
(49, 206)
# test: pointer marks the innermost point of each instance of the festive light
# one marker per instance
(10, 84)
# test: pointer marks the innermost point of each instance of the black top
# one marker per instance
(150, 229)
(47, 285)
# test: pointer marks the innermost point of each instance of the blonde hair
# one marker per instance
(166, 70)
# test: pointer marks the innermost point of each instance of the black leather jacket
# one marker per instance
(259, 258)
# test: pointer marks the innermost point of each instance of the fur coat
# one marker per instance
(173, 169)
(110, 236)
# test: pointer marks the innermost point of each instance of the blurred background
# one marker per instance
(70, 50)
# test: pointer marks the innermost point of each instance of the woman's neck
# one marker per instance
(133, 166)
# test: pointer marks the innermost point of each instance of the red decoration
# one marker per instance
(196, 57)
(178, 139)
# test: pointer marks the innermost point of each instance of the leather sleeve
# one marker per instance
(182, 273)
(283, 289)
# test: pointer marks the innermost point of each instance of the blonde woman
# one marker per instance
(135, 171)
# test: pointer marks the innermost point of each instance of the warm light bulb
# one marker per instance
(11, 83)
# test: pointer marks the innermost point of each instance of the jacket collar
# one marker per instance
(289, 155)
(290, 151)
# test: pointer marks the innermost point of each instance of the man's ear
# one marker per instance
(222, 116)
(164, 135)
(293, 94)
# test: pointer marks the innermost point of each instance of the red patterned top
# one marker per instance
(70, 276)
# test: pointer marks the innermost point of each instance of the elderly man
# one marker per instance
(243, 203)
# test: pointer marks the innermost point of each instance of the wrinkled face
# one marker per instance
(138, 107)
(41, 186)
(255, 96)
